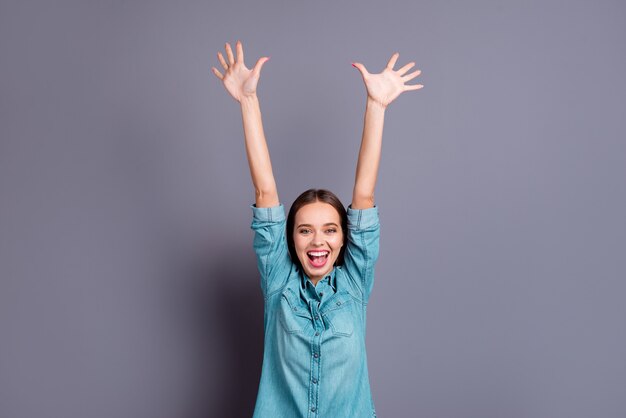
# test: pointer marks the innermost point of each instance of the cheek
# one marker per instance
(338, 241)
(299, 242)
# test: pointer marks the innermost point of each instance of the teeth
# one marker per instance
(317, 253)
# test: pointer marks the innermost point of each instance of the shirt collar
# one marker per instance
(305, 282)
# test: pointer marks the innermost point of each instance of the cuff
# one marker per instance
(362, 218)
(272, 214)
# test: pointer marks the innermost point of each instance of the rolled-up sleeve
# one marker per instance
(362, 248)
(270, 246)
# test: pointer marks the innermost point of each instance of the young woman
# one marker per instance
(316, 265)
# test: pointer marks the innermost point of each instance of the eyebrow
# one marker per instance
(326, 224)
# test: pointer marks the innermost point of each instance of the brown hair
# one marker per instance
(308, 197)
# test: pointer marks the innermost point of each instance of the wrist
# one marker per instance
(249, 100)
(375, 105)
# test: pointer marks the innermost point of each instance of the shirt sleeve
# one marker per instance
(362, 248)
(270, 246)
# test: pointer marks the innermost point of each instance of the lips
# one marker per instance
(318, 259)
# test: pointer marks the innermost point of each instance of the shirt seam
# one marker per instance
(268, 214)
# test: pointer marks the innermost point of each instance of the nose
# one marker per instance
(317, 239)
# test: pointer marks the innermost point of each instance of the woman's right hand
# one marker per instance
(238, 80)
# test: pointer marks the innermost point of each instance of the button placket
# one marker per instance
(316, 343)
(314, 392)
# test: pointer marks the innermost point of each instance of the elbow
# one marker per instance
(362, 200)
(266, 197)
(265, 192)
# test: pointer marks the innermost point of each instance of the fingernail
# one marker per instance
(353, 65)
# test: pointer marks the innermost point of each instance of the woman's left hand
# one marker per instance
(383, 88)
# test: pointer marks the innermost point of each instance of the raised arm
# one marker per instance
(382, 89)
(241, 83)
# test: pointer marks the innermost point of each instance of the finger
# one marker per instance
(217, 73)
(411, 76)
(406, 68)
(259, 64)
(393, 60)
(222, 60)
(239, 52)
(229, 54)
(361, 68)
(413, 87)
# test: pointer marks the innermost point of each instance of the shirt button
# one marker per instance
(314, 380)
(313, 409)
(316, 355)
(317, 317)
(338, 303)
(321, 294)
(317, 333)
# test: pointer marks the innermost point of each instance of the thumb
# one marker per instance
(361, 68)
(259, 64)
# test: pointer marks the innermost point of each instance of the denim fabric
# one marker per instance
(314, 358)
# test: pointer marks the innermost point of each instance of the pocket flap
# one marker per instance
(338, 301)
(296, 305)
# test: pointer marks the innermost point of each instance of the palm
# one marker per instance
(386, 86)
(239, 80)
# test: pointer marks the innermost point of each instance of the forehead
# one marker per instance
(317, 213)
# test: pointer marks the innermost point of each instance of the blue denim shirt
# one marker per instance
(314, 358)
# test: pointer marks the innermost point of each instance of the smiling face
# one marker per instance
(317, 238)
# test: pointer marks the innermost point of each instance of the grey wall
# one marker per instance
(128, 286)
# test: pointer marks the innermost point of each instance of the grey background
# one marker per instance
(128, 286)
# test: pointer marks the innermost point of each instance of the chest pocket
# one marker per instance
(339, 314)
(293, 313)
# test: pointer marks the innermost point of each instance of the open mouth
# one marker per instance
(318, 258)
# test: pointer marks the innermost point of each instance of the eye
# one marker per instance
(304, 231)
(331, 230)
